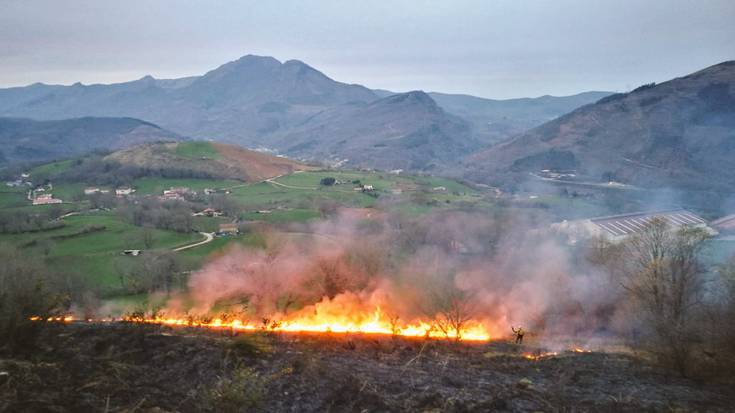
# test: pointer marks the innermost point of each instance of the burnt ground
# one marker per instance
(126, 368)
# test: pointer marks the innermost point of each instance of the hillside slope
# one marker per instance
(29, 140)
(212, 159)
(402, 131)
(680, 133)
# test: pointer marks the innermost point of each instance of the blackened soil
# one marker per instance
(126, 368)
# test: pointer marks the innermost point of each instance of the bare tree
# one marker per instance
(148, 238)
(664, 277)
(449, 308)
(160, 270)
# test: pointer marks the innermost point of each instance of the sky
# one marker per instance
(490, 48)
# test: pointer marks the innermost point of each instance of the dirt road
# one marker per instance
(208, 237)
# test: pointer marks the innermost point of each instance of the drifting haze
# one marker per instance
(491, 271)
(495, 49)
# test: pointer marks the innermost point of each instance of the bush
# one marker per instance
(27, 289)
(17, 222)
(328, 181)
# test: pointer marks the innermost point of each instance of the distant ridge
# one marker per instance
(496, 120)
(679, 133)
(401, 131)
(27, 140)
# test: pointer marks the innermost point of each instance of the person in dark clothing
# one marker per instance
(519, 334)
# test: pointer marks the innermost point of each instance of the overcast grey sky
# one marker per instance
(491, 48)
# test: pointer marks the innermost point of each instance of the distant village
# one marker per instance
(42, 194)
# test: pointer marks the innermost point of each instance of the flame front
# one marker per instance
(375, 322)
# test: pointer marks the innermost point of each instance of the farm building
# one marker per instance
(208, 212)
(175, 193)
(229, 228)
(46, 199)
(171, 196)
(95, 190)
(124, 191)
(619, 227)
(181, 190)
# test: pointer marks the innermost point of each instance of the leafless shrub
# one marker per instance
(27, 289)
(450, 309)
(722, 320)
(664, 278)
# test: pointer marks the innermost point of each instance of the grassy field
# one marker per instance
(51, 168)
(95, 255)
(283, 215)
(311, 179)
(196, 150)
(209, 224)
(68, 192)
(156, 186)
(12, 199)
(302, 191)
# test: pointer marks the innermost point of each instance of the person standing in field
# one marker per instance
(519, 334)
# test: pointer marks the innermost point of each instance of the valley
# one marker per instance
(371, 207)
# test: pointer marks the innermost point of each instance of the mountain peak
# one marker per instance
(245, 63)
(251, 58)
(414, 97)
(294, 62)
(147, 80)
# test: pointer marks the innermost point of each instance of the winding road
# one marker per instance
(208, 237)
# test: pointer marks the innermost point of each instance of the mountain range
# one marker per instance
(292, 108)
(679, 133)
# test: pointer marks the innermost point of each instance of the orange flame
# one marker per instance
(375, 322)
(64, 319)
(539, 355)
